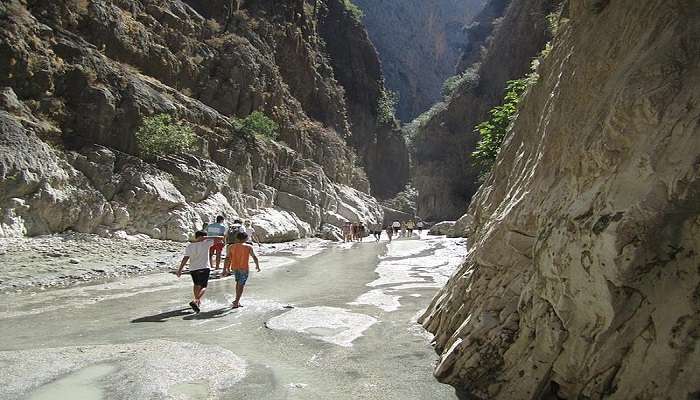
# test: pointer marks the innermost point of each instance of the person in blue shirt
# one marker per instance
(217, 229)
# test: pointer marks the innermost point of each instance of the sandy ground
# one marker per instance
(61, 260)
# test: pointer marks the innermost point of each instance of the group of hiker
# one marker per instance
(234, 245)
(356, 232)
(210, 242)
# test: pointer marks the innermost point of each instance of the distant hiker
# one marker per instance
(403, 228)
(354, 228)
(409, 227)
(361, 231)
(396, 225)
(233, 229)
(216, 229)
(347, 232)
(376, 230)
(197, 253)
(389, 231)
(239, 254)
(250, 231)
(419, 226)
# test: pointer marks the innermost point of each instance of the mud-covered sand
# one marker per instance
(68, 259)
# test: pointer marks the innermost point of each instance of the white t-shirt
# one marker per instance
(396, 224)
(250, 231)
(198, 252)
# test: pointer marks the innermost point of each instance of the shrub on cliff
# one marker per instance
(160, 135)
(386, 106)
(257, 123)
(354, 10)
(467, 79)
(493, 131)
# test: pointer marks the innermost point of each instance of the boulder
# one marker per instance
(274, 225)
(442, 228)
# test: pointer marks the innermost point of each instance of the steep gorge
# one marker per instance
(419, 43)
(582, 278)
(78, 77)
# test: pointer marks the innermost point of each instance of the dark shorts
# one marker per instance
(217, 247)
(200, 277)
(240, 275)
(396, 230)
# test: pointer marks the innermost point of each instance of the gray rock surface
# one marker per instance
(582, 276)
(79, 77)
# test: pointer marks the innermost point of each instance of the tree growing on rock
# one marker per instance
(257, 123)
(160, 135)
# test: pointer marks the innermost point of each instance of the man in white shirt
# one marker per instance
(197, 253)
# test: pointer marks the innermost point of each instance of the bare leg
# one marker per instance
(239, 293)
(218, 259)
(211, 254)
(198, 296)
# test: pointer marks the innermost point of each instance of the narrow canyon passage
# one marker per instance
(336, 323)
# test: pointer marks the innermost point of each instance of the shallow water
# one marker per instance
(339, 324)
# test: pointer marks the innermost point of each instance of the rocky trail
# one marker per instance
(320, 321)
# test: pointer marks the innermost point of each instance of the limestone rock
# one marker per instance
(582, 276)
(78, 78)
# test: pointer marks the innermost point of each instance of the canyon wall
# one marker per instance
(420, 43)
(582, 277)
(78, 77)
(505, 38)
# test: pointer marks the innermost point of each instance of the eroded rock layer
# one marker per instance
(78, 77)
(582, 278)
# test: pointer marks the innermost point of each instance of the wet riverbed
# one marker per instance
(338, 324)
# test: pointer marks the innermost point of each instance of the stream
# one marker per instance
(334, 323)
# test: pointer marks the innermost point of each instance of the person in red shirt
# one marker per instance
(239, 253)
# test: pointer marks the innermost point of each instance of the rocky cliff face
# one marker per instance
(357, 68)
(420, 43)
(78, 77)
(582, 277)
(506, 37)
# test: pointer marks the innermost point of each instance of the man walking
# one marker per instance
(197, 253)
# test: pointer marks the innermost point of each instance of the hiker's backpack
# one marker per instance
(232, 231)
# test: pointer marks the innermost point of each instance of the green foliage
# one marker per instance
(493, 131)
(404, 201)
(386, 106)
(257, 123)
(354, 10)
(553, 23)
(160, 135)
(466, 79)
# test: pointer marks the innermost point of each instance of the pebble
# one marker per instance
(74, 261)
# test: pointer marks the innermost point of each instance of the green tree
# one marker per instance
(160, 135)
(493, 131)
(257, 123)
